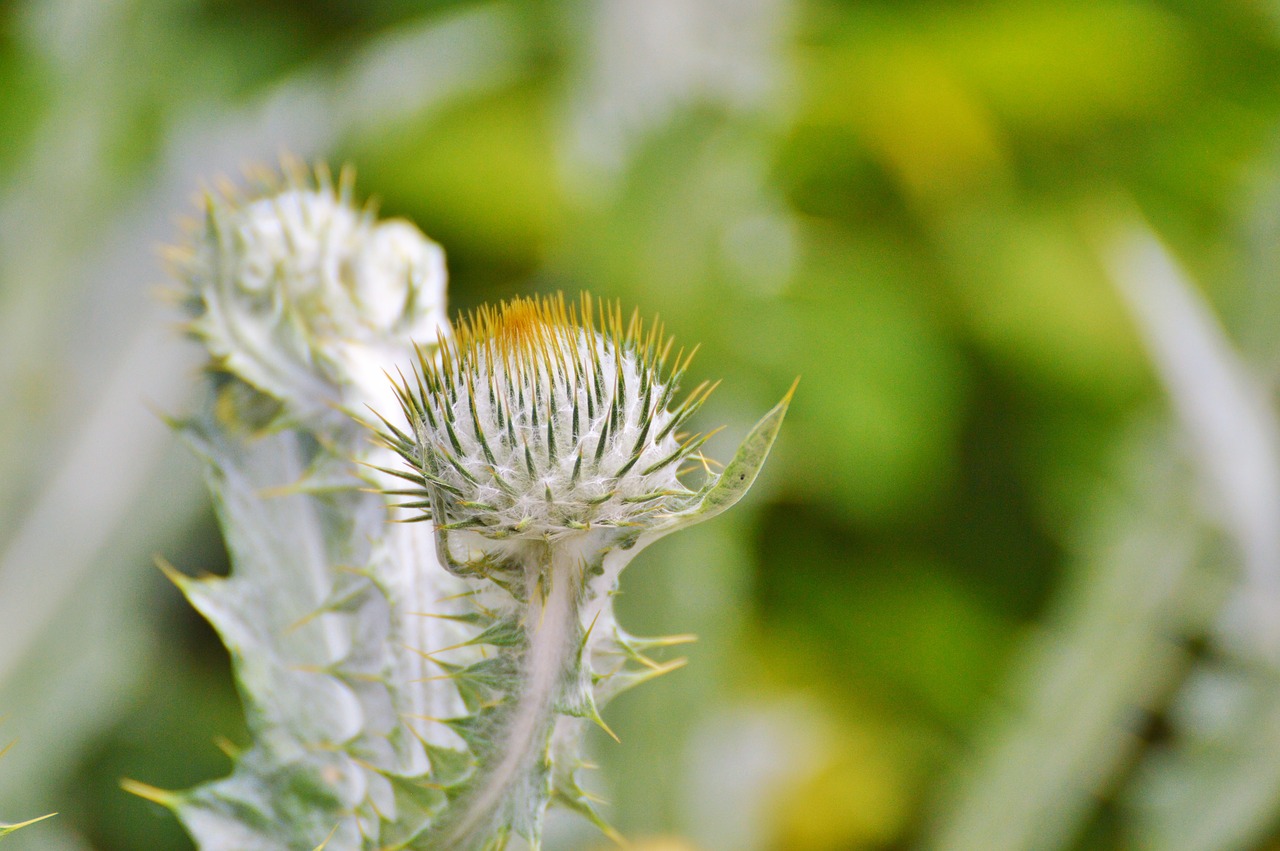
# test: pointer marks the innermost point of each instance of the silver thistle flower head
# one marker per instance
(542, 419)
(306, 296)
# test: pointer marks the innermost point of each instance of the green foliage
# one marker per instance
(899, 201)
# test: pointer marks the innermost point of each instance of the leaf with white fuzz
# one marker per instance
(740, 474)
(420, 659)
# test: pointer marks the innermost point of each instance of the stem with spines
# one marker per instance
(418, 660)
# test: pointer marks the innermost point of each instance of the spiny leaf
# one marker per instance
(741, 472)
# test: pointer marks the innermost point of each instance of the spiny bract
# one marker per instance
(532, 424)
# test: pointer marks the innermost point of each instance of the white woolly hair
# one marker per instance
(533, 423)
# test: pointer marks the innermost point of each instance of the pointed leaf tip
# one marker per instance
(180, 580)
(741, 472)
(147, 792)
(595, 718)
(6, 829)
(322, 845)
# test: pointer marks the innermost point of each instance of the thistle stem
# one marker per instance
(553, 630)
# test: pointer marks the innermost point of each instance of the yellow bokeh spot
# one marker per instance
(856, 798)
(919, 119)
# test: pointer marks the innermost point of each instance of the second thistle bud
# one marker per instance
(310, 299)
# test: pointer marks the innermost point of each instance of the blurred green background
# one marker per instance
(901, 201)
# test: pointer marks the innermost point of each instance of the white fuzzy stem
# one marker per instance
(552, 623)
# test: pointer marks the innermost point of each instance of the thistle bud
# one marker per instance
(544, 445)
(533, 425)
(310, 299)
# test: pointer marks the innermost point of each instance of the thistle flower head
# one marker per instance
(309, 298)
(543, 419)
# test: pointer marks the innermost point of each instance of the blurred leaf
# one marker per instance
(1110, 648)
(6, 829)
(26, 93)
(908, 108)
(1062, 67)
(171, 732)
(945, 72)
(901, 622)
(883, 388)
(1034, 294)
(479, 178)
